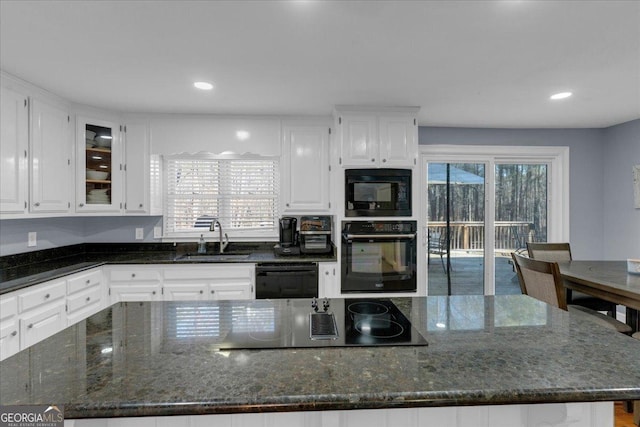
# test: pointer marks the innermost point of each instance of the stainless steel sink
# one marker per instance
(211, 257)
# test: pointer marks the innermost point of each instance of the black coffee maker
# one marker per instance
(288, 244)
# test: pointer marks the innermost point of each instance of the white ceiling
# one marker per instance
(466, 63)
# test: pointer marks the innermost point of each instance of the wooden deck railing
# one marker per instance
(510, 235)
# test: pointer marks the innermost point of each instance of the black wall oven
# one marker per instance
(378, 256)
(377, 192)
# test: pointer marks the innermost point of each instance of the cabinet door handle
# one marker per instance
(47, 296)
(154, 292)
(88, 281)
(30, 326)
(201, 291)
(213, 292)
(81, 204)
(133, 275)
(140, 205)
(326, 272)
(384, 160)
(37, 203)
(88, 299)
(373, 160)
(287, 204)
(14, 333)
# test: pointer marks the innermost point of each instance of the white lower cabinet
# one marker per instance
(9, 326)
(86, 295)
(209, 282)
(181, 282)
(134, 283)
(328, 286)
(42, 311)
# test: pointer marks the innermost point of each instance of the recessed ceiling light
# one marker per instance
(243, 135)
(203, 85)
(561, 95)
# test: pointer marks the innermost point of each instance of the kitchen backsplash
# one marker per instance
(57, 232)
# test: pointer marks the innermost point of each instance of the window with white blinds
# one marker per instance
(241, 193)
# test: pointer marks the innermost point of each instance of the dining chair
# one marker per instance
(542, 280)
(437, 245)
(557, 252)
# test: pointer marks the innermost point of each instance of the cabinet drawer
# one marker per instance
(41, 324)
(223, 271)
(82, 299)
(8, 307)
(42, 294)
(138, 292)
(9, 338)
(84, 281)
(134, 275)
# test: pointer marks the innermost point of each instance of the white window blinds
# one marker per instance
(241, 193)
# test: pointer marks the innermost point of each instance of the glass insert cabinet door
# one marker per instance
(99, 179)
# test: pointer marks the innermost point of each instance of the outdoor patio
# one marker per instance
(467, 275)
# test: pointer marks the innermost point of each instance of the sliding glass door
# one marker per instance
(521, 201)
(455, 228)
(476, 213)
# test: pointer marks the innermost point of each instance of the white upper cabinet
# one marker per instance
(14, 146)
(377, 137)
(136, 167)
(358, 140)
(305, 169)
(398, 136)
(50, 158)
(99, 171)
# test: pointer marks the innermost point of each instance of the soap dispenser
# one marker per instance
(202, 245)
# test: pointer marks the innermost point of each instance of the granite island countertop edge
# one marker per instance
(336, 402)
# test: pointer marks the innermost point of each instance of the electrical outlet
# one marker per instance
(32, 239)
(157, 232)
(139, 233)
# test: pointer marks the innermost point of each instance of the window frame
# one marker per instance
(250, 234)
(557, 159)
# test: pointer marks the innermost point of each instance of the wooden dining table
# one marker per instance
(608, 280)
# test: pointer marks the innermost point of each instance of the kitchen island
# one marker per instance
(156, 359)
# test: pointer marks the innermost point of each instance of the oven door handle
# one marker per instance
(381, 236)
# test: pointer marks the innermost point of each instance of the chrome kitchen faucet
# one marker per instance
(223, 243)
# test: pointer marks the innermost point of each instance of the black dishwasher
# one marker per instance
(286, 280)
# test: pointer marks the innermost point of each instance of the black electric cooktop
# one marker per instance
(309, 323)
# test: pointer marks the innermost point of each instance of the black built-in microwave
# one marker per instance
(377, 192)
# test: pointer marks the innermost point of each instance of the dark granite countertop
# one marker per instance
(21, 270)
(130, 360)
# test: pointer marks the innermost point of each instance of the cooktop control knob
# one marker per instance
(314, 304)
(325, 304)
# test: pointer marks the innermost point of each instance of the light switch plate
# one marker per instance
(32, 239)
(157, 232)
(139, 233)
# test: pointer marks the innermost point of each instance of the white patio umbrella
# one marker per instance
(438, 175)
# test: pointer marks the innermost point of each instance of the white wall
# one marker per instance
(191, 134)
(621, 219)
